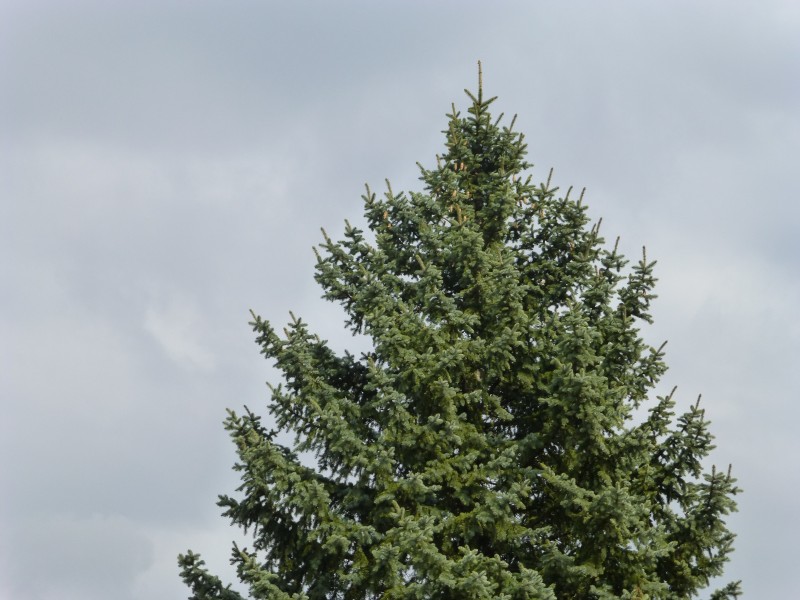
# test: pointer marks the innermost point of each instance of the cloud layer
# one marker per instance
(164, 168)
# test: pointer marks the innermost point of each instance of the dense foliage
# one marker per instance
(500, 440)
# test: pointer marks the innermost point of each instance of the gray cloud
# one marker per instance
(163, 170)
(66, 557)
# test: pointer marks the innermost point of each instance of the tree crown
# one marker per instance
(487, 445)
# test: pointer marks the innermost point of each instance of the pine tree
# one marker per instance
(500, 439)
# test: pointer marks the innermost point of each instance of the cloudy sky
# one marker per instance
(166, 166)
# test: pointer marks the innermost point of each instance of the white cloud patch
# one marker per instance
(179, 328)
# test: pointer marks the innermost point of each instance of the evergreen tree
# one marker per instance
(491, 444)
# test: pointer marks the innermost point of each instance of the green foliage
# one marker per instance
(489, 445)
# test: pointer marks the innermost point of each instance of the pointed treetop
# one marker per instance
(480, 81)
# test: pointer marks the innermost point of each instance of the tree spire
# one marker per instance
(480, 82)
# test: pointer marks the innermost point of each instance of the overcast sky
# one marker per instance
(166, 166)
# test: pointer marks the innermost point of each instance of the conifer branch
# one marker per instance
(368, 196)
(325, 236)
